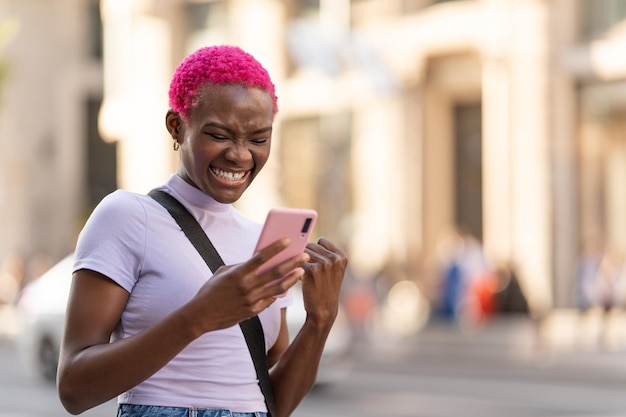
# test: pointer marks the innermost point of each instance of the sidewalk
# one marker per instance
(560, 330)
(574, 345)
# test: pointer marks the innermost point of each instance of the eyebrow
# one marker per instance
(266, 129)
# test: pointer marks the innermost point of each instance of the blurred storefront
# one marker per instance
(400, 121)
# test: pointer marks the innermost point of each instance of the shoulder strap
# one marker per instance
(251, 328)
(190, 227)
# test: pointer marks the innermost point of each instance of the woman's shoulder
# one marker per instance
(120, 210)
(124, 195)
(123, 200)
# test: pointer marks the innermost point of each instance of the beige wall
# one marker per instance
(42, 125)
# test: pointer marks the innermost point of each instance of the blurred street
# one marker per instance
(511, 367)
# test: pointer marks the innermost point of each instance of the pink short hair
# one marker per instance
(218, 65)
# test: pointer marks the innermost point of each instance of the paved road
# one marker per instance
(476, 378)
(503, 370)
(23, 394)
(439, 373)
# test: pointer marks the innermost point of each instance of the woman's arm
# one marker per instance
(294, 374)
(92, 370)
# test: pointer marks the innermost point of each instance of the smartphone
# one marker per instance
(296, 224)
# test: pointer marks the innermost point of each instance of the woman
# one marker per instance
(146, 320)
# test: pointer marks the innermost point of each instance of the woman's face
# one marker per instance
(226, 141)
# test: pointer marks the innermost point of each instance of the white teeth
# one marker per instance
(232, 176)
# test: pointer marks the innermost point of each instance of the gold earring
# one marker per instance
(176, 145)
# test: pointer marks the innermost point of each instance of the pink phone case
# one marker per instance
(296, 224)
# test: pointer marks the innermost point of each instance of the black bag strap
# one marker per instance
(251, 328)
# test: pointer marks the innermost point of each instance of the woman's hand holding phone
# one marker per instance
(291, 223)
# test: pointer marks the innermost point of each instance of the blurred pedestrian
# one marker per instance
(360, 303)
(468, 279)
(610, 280)
(509, 297)
(587, 267)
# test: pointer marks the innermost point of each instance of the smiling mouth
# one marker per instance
(227, 175)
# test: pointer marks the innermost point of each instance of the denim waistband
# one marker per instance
(134, 410)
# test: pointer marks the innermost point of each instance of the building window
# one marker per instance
(599, 16)
(101, 157)
(95, 30)
(468, 168)
(207, 23)
(602, 163)
(304, 44)
(314, 157)
(304, 8)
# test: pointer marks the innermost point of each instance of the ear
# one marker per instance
(174, 124)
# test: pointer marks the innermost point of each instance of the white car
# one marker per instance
(42, 308)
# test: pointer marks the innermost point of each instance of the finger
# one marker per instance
(265, 254)
(330, 246)
(281, 270)
(263, 304)
(317, 252)
(258, 307)
(325, 249)
(280, 286)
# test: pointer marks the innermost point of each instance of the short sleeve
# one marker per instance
(114, 238)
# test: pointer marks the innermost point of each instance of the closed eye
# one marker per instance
(259, 141)
(217, 137)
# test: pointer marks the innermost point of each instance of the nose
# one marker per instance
(238, 153)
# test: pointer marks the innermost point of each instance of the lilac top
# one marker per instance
(134, 241)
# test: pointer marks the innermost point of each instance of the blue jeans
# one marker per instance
(132, 410)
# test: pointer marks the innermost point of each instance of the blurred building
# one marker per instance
(52, 163)
(399, 121)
